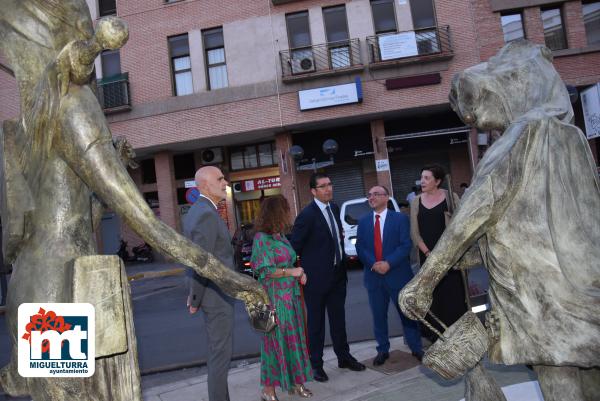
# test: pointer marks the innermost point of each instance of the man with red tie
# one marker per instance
(383, 246)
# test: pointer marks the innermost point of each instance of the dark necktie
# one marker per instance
(334, 234)
(377, 240)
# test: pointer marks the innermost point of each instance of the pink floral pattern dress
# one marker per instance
(283, 352)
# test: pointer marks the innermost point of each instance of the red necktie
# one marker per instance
(377, 241)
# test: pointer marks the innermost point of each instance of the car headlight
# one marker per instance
(353, 241)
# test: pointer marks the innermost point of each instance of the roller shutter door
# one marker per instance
(347, 182)
(406, 169)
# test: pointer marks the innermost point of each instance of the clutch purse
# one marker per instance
(262, 319)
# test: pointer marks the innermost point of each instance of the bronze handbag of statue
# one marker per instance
(262, 319)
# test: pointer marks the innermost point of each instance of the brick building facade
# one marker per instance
(212, 82)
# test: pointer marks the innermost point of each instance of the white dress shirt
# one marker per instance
(381, 221)
(323, 207)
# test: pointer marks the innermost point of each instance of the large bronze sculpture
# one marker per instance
(57, 161)
(534, 207)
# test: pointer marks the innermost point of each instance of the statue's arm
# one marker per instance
(85, 143)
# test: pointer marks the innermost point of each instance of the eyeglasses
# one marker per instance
(328, 185)
(372, 194)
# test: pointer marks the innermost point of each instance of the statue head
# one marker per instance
(519, 80)
(111, 33)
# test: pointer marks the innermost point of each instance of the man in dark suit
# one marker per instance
(317, 238)
(383, 246)
(204, 226)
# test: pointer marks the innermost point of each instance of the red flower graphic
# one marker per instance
(44, 321)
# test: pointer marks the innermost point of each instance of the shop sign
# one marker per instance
(382, 165)
(258, 184)
(590, 102)
(331, 96)
(399, 45)
(190, 184)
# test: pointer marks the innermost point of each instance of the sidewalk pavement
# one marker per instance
(414, 384)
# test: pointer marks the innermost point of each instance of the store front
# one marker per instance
(417, 142)
(351, 168)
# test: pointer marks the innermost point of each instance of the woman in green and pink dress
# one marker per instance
(284, 354)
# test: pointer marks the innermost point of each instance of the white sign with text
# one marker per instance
(382, 165)
(590, 102)
(328, 96)
(399, 45)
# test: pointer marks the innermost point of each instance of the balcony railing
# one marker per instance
(113, 93)
(408, 46)
(321, 59)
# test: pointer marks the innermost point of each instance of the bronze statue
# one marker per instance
(534, 208)
(57, 162)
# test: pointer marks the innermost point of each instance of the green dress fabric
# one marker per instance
(284, 352)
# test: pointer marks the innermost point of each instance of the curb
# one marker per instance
(139, 276)
(161, 273)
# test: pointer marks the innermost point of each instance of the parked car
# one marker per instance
(242, 245)
(350, 213)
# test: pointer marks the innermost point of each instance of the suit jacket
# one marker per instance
(314, 243)
(203, 225)
(396, 250)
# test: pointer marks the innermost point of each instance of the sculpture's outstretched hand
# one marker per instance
(250, 292)
(415, 298)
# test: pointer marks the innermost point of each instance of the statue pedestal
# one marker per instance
(526, 391)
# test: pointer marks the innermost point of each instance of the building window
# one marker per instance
(148, 171)
(253, 156)
(181, 65)
(384, 16)
(215, 58)
(591, 20)
(298, 30)
(554, 32)
(111, 63)
(107, 7)
(184, 166)
(423, 14)
(512, 27)
(336, 29)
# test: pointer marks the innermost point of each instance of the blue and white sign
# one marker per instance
(590, 102)
(331, 96)
(399, 45)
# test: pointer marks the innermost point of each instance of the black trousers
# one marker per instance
(333, 301)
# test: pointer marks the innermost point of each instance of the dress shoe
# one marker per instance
(418, 355)
(300, 390)
(351, 364)
(381, 358)
(320, 375)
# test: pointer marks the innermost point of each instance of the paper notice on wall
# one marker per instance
(382, 165)
(590, 102)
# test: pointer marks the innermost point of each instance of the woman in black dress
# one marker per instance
(429, 216)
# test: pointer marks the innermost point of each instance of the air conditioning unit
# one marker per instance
(237, 187)
(211, 156)
(302, 65)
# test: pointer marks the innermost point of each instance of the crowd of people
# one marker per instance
(301, 267)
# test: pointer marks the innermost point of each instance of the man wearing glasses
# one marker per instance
(317, 239)
(383, 246)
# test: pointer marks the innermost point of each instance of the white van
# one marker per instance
(350, 213)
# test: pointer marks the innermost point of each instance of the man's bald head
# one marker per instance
(211, 183)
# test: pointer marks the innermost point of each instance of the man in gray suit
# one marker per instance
(204, 226)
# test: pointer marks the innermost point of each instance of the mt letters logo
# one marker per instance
(56, 340)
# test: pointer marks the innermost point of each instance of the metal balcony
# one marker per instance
(318, 60)
(113, 93)
(430, 44)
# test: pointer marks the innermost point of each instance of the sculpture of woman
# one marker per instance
(54, 157)
(534, 207)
